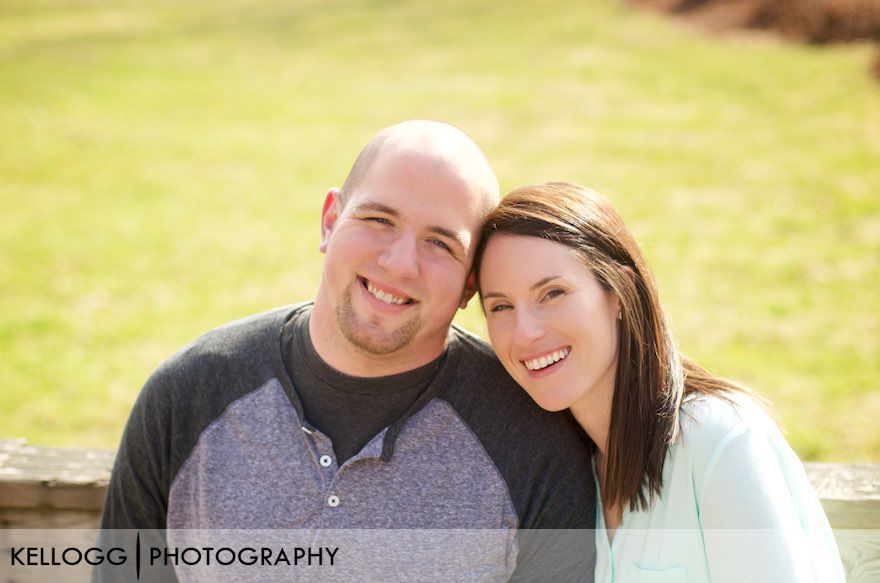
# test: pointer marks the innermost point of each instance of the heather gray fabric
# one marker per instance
(360, 555)
(349, 410)
(218, 439)
(441, 476)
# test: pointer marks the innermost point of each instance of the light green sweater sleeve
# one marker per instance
(759, 514)
(736, 506)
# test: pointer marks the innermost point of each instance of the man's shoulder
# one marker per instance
(235, 341)
(542, 456)
(477, 354)
(242, 352)
(484, 394)
(238, 336)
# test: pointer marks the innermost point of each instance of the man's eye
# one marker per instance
(440, 244)
(379, 220)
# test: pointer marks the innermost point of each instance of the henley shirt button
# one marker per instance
(333, 501)
(325, 461)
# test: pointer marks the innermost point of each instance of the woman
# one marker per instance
(695, 481)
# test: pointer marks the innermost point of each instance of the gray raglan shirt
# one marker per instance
(218, 440)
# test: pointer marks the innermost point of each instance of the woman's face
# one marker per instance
(550, 322)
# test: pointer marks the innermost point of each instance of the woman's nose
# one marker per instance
(529, 328)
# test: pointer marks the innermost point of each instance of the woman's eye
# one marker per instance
(553, 293)
(500, 308)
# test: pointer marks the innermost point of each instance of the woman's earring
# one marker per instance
(619, 315)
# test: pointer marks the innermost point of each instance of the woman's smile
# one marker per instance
(550, 321)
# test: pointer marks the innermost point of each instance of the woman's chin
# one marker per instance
(550, 404)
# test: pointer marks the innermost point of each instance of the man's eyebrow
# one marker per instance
(449, 234)
(376, 207)
(533, 287)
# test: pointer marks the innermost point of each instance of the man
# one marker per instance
(365, 410)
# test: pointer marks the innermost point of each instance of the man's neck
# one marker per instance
(338, 352)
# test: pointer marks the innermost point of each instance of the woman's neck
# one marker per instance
(594, 416)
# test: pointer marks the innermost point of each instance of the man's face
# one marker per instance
(399, 254)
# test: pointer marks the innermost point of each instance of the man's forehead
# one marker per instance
(426, 148)
(473, 185)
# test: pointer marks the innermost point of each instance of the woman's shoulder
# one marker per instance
(709, 423)
(708, 414)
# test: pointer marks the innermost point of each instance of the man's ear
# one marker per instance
(329, 214)
(470, 288)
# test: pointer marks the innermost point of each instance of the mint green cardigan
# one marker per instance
(736, 506)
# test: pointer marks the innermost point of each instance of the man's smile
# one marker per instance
(385, 294)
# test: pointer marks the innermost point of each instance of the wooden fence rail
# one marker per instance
(45, 487)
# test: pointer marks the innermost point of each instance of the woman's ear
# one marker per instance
(630, 273)
(626, 269)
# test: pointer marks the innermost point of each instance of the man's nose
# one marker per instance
(401, 258)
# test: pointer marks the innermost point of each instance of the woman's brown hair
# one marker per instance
(652, 377)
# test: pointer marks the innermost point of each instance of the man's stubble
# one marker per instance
(351, 329)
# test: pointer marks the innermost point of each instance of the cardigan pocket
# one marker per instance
(674, 574)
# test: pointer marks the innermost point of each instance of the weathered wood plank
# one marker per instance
(64, 488)
(53, 478)
(51, 495)
(860, 552)
(850, 493)
(37, 464)
(35, 519)
(845, 481)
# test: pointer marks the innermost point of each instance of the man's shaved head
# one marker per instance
(447, 144)
(399, 240)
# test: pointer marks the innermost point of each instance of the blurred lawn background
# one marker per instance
(163, 163)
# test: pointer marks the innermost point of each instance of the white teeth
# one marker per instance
(384, 296)
(547, 359)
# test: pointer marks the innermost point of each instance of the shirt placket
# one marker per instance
(331, 475)
(326, 466)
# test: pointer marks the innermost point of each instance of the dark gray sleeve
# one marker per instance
(545, 460)
(555, 555)
(137, 497)
(557, 506)
(181, 398)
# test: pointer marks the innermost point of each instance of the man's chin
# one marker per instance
(373, 339)
(374, 344)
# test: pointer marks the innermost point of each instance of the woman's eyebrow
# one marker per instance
(492, 295)
(533, 287)
(542, 281)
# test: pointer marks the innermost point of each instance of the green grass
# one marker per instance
(162, 166)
